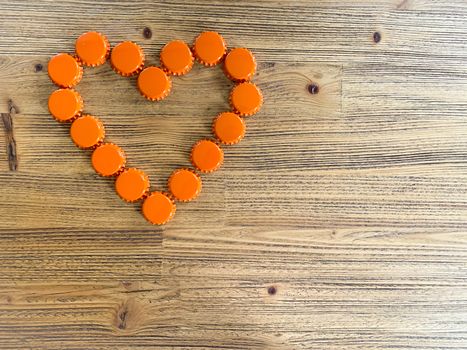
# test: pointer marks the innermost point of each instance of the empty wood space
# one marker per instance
(339, 222)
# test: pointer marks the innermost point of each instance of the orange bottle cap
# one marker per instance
(246, 99)
(206, 156)
(153, 83)
(87, 131)
(176, 57)
(108, 159)
(240, 64)
(184, 184)
(65, 70)
(209, 48)
(132, 184)
(65, 104)
(92, 48)
(229, 128)
(158, 208)
(127, 58)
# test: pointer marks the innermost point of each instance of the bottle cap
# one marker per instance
(92, 48)
(65, 104)
(229, 128)
(176, 57)
(64, 70)
(132, 184)
(87, 131)
(206, 156)
(127, 58)
(240, 64)
(153, 83)
(184, 184)
(158, 208)
(246, 99)
(209, 48)
(108, 159)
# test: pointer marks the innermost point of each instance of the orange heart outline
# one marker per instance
(154, 83)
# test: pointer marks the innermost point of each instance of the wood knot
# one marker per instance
(38, 67)
(272, 290)
(12, 108)
(122, 317)
(313, 88)
(376, 37)
(147, 33)
(126, 284)
(130, 316)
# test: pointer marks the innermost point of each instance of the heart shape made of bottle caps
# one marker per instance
(154, 83)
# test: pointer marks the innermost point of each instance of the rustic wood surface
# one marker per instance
(339, 222)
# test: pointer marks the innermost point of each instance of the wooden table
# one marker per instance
(339, 222)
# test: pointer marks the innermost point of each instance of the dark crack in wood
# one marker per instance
(7, 119)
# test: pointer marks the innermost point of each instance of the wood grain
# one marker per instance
(339, 222)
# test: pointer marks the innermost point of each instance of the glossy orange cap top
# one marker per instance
(246, 99)
(92, 48)
(132, 184)
(206, 156)
(209, 48)
(153, 83)
(184, 184)
(240, 64)
(176, 57)
(65, 104)
(158, 208)
(65, 70)
(108, 159)
(127, 58)
(87, 131)
(229, 128)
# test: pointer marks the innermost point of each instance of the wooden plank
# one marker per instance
(339, 222)
(78, 254)
(52, 316)
(344, 290)
(299, 32)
